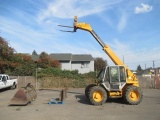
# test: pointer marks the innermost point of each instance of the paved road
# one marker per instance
(77, 107)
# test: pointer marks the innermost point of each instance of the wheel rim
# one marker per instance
(134, 95)
(97, 96)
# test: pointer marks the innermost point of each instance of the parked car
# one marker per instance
(6, 82)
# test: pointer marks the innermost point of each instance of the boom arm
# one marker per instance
(106, 48)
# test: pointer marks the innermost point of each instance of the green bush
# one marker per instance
(55, 77)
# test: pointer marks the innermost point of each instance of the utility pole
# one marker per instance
(153, 65)
(123, 59)
(36, 76)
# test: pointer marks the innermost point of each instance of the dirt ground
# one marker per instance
(77, 107)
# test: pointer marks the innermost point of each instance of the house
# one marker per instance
(147, 73)
(150, 72)
(84, 63)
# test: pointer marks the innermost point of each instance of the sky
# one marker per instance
(130, 27)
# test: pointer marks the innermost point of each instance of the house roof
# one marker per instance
(67, 57)
(71, 57)
(61, 56)
(83, 57)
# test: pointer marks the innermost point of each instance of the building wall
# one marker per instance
(66, 65)
(83, 67)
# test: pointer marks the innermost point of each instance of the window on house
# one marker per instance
(85, 64)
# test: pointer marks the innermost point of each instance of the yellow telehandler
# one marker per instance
(113, 81)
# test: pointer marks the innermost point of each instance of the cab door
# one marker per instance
(117, 77)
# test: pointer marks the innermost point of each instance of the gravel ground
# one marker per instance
(77, 107)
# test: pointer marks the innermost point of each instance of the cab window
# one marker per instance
(122, 74)
(114, 76)
(3, 78)
(107, 75)
(101, 74)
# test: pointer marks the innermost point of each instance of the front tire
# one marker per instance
(97, 95)
(14, 86)
(133, 95)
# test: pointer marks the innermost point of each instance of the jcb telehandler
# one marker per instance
(113, 81)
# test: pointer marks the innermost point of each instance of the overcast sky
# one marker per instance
(130, 27)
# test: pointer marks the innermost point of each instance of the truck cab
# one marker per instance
(113, 78)
(6, 82)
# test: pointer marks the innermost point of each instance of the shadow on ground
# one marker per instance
(116, 100)
(84, 100)
(5, 89)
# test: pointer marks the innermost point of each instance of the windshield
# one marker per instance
(101, 74)
(0, 77)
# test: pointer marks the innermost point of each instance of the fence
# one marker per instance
(146, 82)
(22, 81)
(55, 82)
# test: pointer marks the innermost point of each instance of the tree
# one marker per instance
(99, 63)
(55, 64)
(34, 53)
(25, 69)
(5, 50)
(22, 64)
(139, 68)
(45, 61)
(25, 65)
(6, 53)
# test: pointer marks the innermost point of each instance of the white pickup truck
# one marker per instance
(6, 82)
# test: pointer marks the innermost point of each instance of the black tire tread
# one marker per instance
(88, 88)
(97, 88)
(14, 86)
(126, 95)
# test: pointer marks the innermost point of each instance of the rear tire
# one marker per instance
(97, 95)
(133, 95)
(88, 88)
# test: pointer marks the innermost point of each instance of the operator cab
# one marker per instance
(113, 78)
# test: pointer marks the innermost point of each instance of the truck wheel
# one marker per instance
(13, 86)
(97, 95)
(88, 88)
(133, 95)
